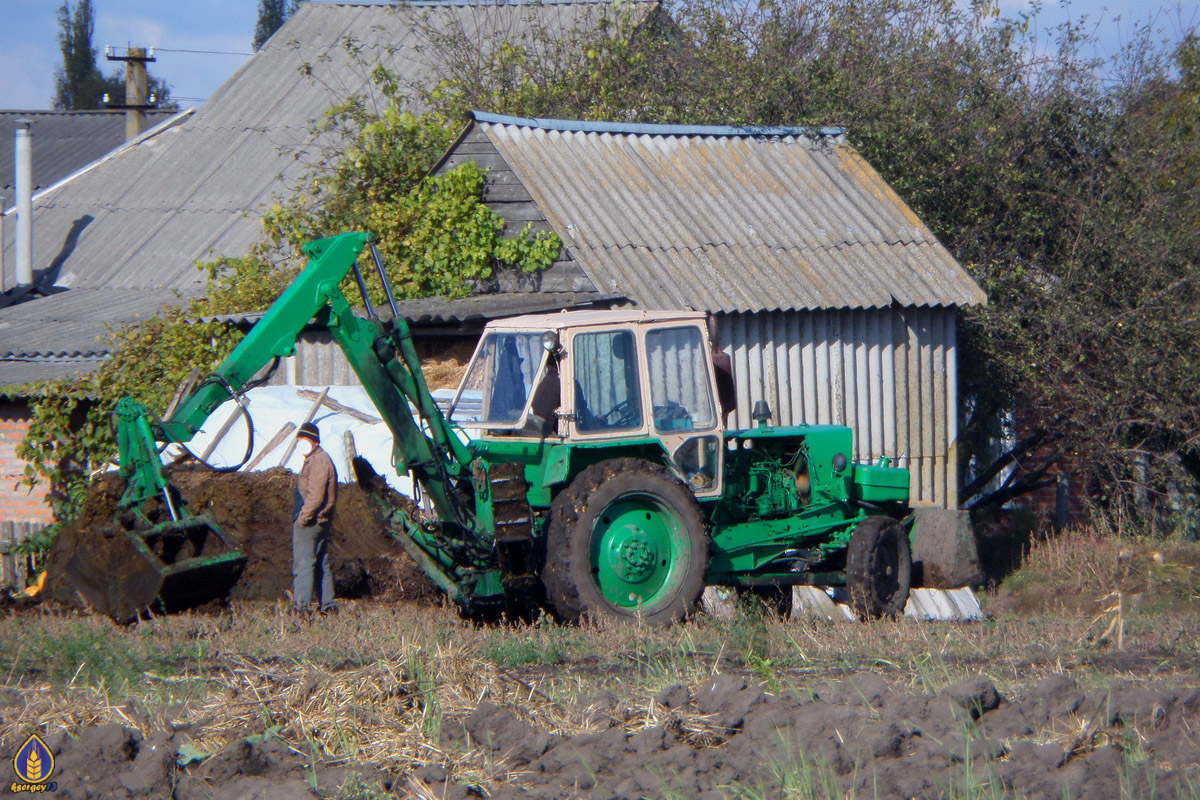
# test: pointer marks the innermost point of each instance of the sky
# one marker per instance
(29, 51)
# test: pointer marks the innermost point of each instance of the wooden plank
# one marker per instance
(312, 412)
(503, 177)
(506, 193)
(351, 454)
(276, 440)
(476, 148)
(518, 212)
(182, 391)
(481, 160)
(224, 429)
(334, 405)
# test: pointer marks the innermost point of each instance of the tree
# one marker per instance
(271, 16)
(1072, 200)
(79, 83)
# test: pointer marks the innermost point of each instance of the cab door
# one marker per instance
(683, 403)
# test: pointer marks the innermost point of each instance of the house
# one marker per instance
(118, 239)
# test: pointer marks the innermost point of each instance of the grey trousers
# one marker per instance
(310, 565)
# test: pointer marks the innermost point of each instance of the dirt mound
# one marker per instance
(727, 737)
(119, 763)
(860, 738)
(255, 509)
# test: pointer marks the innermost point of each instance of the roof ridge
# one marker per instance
(442, 3)
(644, 129)
(795, 248)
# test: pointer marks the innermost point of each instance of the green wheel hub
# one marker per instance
(637, 547)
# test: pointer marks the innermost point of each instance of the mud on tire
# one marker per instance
(625, 539)
(878, 568)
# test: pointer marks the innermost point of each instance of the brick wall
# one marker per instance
(18, 503)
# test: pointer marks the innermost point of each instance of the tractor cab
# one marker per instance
(600, 378)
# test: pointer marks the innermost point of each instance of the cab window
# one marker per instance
(680, 390)
(498, 383)
(607, 397)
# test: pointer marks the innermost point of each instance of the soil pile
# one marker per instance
(728, 737)
(255, 509)
(860, 738)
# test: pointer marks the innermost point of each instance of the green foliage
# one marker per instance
(1068, 194)
(437, 237)
(271, 16)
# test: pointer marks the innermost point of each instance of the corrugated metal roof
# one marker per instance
(137, 223)
(729, 219)
(17, 373)
(481, 307)
(73, 324)
(63, 141)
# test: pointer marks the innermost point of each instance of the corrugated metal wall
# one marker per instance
(888, 373)
(317, 362)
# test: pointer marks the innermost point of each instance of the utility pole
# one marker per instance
(137, 85)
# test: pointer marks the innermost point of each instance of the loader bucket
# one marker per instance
(169, 567)
(945, 555)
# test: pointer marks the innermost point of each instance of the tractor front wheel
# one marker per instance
(626, 540)
(878, 568)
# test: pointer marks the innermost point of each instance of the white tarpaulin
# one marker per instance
(272, 407)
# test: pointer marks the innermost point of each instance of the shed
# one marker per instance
(835, 302)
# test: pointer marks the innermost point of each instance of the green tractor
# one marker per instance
(598, 480)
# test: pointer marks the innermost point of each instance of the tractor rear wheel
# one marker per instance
(626, 540)
(878, 568)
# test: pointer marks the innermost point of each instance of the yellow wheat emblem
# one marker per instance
(34, 763)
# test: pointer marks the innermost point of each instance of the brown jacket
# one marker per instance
(317, 486)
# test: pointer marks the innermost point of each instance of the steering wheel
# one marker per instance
(623, 415)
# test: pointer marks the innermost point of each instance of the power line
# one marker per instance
(202, 52)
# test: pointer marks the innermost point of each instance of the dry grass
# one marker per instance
(444, 361)
(1082, 571)
(379, 682)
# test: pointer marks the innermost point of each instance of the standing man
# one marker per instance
(316, 493)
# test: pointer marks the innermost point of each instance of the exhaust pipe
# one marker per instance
(23, 159)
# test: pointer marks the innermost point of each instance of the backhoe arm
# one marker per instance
(382, 356)
(330, 260)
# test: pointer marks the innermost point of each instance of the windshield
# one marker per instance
(499, 380)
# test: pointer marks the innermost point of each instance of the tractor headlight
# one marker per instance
(550, 341)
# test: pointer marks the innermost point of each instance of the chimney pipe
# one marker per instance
(23, 158)
(3, 244)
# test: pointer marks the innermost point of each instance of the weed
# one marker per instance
(537, 647)
(356, 788)
(426, 680)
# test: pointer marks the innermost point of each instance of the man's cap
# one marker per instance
(309, 431)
